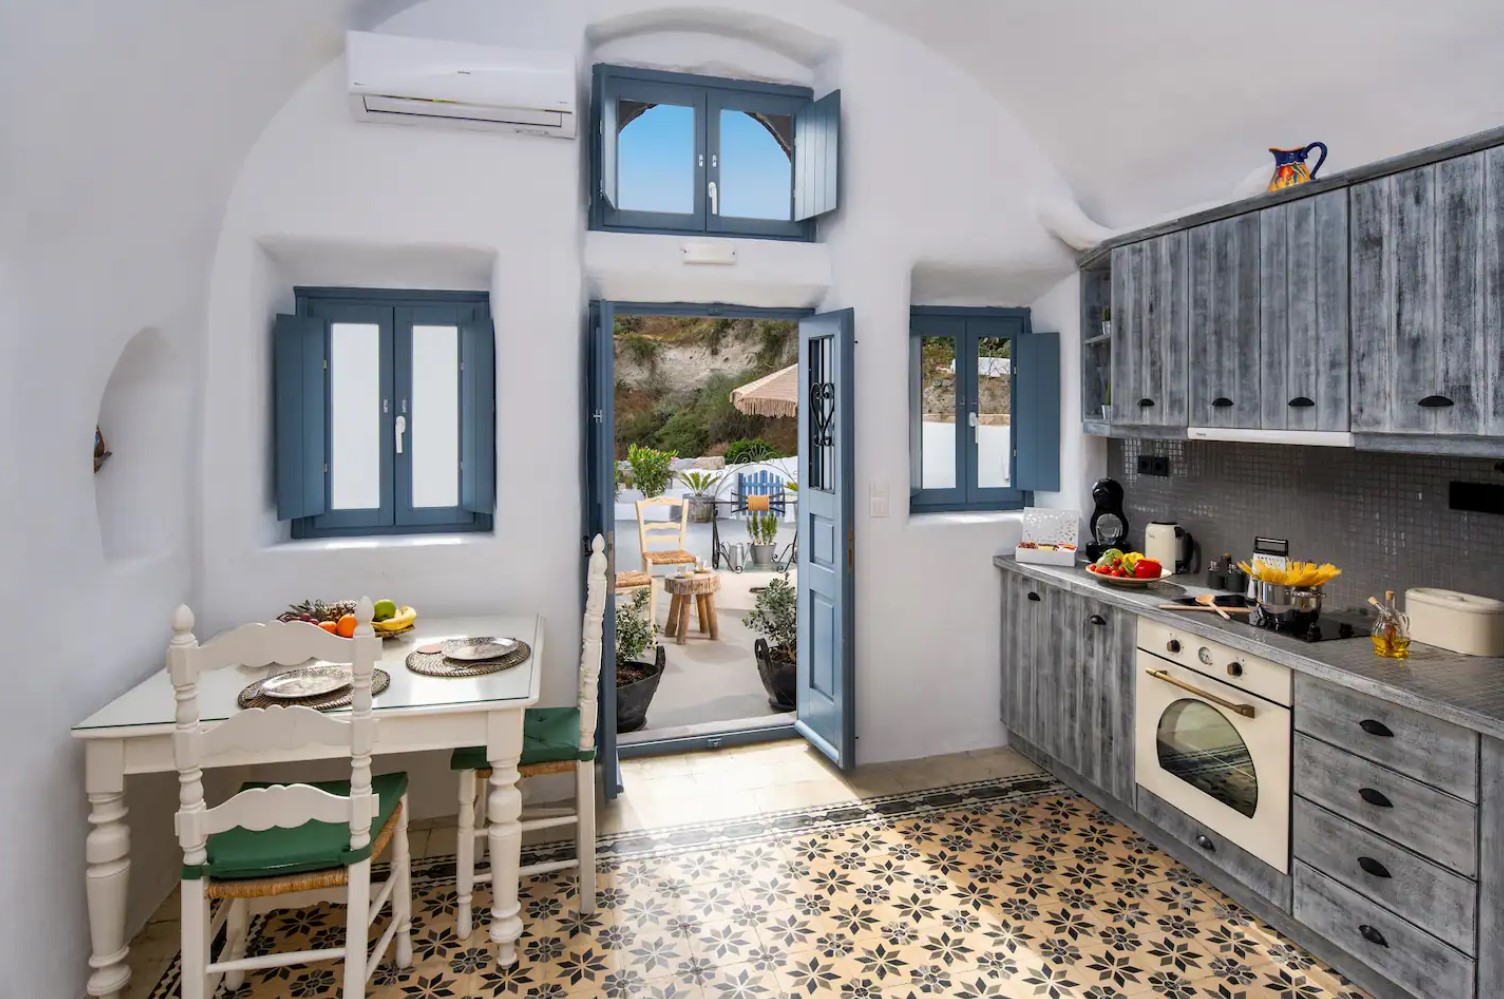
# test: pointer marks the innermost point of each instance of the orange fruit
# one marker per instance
(346, 626)
(328, 626)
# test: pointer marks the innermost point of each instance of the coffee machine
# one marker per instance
(1108, 524)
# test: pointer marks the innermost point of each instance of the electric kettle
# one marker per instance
(1169, 544)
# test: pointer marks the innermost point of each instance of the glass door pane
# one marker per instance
(756, 161)
(1201, 747)
(354, 416)
(434, 416)
(936, 393)
(994, 430)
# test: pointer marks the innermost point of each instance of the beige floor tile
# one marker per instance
(803, 794)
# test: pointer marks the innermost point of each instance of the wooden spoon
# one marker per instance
(1210, 600)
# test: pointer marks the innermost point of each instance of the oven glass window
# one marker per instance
(1201, 747)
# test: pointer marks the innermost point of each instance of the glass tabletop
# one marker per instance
(151, 704)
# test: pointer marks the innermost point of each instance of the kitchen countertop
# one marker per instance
(1465, 690)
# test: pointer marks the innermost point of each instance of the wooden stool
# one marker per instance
(700, 589)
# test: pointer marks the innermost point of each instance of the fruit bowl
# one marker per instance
(1125, 570)
(1124, 582)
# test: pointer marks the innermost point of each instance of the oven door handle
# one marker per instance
(1246, 710)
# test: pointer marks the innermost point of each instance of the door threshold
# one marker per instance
(669, 741)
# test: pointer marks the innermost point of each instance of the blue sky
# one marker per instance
(655, 165)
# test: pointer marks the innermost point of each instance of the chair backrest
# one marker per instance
(591, 647)
(646, 527)
(275, 728)
(760, 483)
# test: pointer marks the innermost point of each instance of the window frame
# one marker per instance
(712, 94)
(396, 312)
(968, 327)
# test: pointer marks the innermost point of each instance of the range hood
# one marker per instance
(1310, 438)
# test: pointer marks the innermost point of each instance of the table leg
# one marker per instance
(505, 810)
(681, 630)
(107, 851)
(701, 613)
(673, 616)
(709, 612)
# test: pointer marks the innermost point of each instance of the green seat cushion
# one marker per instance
(549, 735)
(312, 846)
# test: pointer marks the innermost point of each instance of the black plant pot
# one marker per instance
(632, 699)
(779, 678)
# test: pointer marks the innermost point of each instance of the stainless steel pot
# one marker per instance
(1287, 607)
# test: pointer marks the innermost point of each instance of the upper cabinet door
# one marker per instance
(1224, 271)
(1150, 332)
(1426, 286)
(1303, 341)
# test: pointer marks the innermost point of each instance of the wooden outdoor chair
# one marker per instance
(273, 846)
(554, 740)
(675, 555)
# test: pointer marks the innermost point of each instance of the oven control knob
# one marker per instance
(1205, 655)
(1173, 645)
(1234, 669)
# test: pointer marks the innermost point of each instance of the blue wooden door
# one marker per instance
(826, 699)
(600, 516)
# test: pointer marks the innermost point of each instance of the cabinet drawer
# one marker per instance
(1433, 898)
(1425, 820)
(1405, 954)
(1434, 752)
(1207, 847)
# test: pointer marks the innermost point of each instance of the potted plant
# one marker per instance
(762, 528)
(775, 617)
(701, 505)
(652, 470)
(636, 678)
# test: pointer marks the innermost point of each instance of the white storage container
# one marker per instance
(1050, 537)
(1460, 622)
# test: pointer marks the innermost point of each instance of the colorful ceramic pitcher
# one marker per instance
(1290, 166)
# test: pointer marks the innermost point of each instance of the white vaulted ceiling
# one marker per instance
(1151, 106)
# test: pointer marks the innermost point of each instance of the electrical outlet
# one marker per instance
(1154, 464)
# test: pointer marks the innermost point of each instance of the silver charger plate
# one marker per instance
(316, 680)
(472, 650)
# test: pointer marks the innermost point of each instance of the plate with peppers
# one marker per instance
(1126, 569)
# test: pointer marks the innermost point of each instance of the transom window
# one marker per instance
(689, 154)
(385, 413)
(984, 395)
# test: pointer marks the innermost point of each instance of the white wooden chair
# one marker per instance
(274, 846)
(651, 557)
(554, 740)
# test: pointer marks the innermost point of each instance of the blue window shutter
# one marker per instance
(606, 140)
(1036, 388)
(299, 405)
(817, 156)
(478, 417)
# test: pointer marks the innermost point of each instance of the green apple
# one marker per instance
(385, 610)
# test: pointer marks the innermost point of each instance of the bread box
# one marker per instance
(1460, 622)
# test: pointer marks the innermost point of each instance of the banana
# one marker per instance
(404, 618)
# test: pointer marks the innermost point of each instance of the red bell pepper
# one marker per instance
(1147, 568)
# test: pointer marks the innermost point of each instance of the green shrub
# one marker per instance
(749, 450)
(634, 632)
(684, 433)
(775, 616)
(652, 470)
(699, 483)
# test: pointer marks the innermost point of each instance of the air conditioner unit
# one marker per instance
(411, 81)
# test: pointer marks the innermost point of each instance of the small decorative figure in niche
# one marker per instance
(101, 451)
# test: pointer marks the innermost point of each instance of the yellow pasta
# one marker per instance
(1305, 575)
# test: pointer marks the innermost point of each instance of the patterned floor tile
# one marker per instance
(1006, 889)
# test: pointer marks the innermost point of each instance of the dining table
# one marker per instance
(133, 734)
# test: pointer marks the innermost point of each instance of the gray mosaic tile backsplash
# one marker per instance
(1382, 518)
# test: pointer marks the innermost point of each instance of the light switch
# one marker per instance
(877, 500)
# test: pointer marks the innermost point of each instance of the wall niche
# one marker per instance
(138, 492)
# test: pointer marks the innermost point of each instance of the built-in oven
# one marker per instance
(1212, 737)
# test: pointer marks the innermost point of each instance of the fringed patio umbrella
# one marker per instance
(771, 395)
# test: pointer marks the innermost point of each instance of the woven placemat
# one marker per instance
(438, 664)
(251, 696)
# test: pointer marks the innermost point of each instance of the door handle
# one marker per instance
(1376, 798)
(1246, 710)
(401, 429)
(1097, 619)
(1221, 402)
(1145, 403)
(1034, 596)
(1435, 402)
(1301, 402)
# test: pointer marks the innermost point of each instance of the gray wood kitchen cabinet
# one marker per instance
(1224, 286)
(1427, 258)
(1303, 303)
(1151, 332)
(1107, 655)
(1020, 626)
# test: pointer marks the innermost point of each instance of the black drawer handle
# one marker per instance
(1373, 867)
(1204, 841)
(1034, 596)
(1301, 402)
(1377, 798)
(1145, 403)
(1221, 402)
(1097, 619)
(1435, 402)
(1375, 727)
(1372, 935)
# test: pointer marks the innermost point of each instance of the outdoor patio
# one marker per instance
(708, 686)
